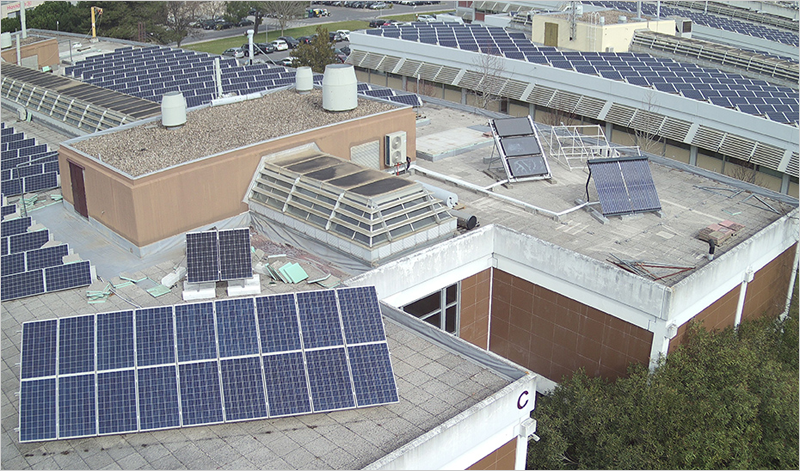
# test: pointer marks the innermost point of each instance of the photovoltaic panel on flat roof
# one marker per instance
(102, 389)
(520, 145)
(28, 241)
(20, 285)
(527, 166)
(624, 186)
(234, 254)
(202, 257)
(507, 127)
(46, 257)
(72, 275)
(13, 263)
(319, 319)
(15, 226)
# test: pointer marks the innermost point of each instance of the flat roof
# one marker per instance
(689, 200)
(149, 147)
(434, 384)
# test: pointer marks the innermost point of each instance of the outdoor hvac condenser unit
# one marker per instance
(395, 148)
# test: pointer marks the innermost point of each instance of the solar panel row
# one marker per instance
(45, 280)
(34, 259)
(264, 367)
(638, 69)
(517, 142)
(26, 166)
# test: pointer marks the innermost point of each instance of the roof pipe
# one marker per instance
(22, 19)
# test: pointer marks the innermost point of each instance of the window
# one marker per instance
(440, 309)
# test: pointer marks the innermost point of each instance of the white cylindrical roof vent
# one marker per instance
(623, 19)
(173, 109)
(339, 87)
(5, 40)
(304, 80)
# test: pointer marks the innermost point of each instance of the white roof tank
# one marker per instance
(5, 39)
(173, 109)
(304, 80)
(339, 87)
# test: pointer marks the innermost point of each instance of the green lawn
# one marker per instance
(219, 45)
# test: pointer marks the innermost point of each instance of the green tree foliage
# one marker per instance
(121, 20)
(180, 16)
(724, 400)
(316, 54)
(235, 11)
(46, 15)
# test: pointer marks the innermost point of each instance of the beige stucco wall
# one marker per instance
(45, 51)
(589, 37)
(167, 203)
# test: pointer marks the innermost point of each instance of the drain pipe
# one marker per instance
(792, 280)
(748, 277)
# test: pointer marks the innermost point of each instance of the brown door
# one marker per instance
(551, 34)
(78, 189)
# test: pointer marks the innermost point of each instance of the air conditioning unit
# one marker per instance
(395, 148)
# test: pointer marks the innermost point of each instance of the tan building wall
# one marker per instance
(591, 37)
(475, 308)
(504, 457)
(153, 207)
(45, 52)
(554, 335)
(766, 295)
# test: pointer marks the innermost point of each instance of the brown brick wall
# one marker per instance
(766, 295)
(475, 308)
(504, 457)
(554, 335)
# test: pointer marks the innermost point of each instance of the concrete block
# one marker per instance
(192, 291)
(171, 279)
(245, 287)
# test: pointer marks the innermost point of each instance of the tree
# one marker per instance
(316, 54)
(646, 124)
(55, 16)
(238, 10)
(491, 67)
(180, 16)
(724, 399)
(122, 19)
(285, 12)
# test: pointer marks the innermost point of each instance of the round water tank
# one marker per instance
(339, 87)
(304, 80)
(173, 109)
(5, 40)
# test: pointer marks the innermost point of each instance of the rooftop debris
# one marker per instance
(646, 269)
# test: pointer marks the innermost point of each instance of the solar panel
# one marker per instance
(15, 226)
(39, 352)
(513, 127)
(13, 263)
(115, 340)
(277, 323)
(116, 402)
(234, 254)
(361, 315)
(519, 146)
(155, 336)
(44, 181)
(329, 378)
(76, 406)
(46, 257)
(624, 186)
(21, 285)
(8, 209)
(68, 276)
(236, 324)
(319, 319)
(195, 331)
(202, 257)
(372, 374)
(287, 385)
(37, 405)
(158, 397)
(76, 345)
(201, 402)
(243, 388)
(28, 241)
(527, 166)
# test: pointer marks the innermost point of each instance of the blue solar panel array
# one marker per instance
(624, 186)
(94, 372)
(728, 90)
(25, 166)
(152, 71)
(712, 21)
(218, 255)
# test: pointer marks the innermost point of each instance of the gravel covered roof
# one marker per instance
(151, 147)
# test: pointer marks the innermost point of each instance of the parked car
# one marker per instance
(236, 52)
(288, 61)
(290, 41)
(378, 6)
(305, 39)
(426, 18)
(280, 45)
(208, 24)
(378, 22)
(345, 49)
(340, 54)
(342, 35)
(245, 22)
(224, 25)
(258, 48)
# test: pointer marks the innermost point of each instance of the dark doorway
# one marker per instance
(78, 189)
(551, 34)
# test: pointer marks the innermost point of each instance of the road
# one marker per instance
(337, 14)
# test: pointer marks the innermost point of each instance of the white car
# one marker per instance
(343, 35)
(288, 61)
(236, 52)
(280, 45)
